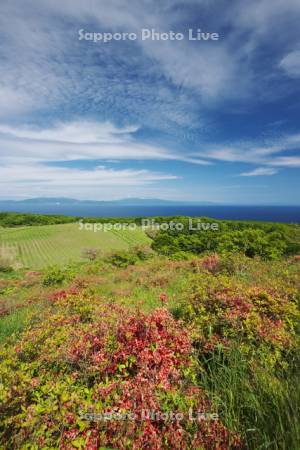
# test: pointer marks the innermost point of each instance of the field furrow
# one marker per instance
(41, 246)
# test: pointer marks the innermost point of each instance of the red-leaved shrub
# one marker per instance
(119, 362)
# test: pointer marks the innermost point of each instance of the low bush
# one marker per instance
(89, 253)
(143, 252)
(222, 312)
(6, 260)
(247, 342)
(122, 258)
(53, 276)
(125, 258)
(5, 266)
(234, 263)
(92, 359)
(211, 263)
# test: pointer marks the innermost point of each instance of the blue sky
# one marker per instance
(213, 120)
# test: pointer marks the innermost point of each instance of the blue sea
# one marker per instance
(290, 214)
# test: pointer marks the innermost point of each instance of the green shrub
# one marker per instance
(121, 258)
(143, 252)
(53, 276)
(5, 265)
(5, 268)
(234, 263)
(180, 256)
(223, 312)
(125, 258)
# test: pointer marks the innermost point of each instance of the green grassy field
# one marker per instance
(40, 246)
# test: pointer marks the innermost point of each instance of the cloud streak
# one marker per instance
(291, 64)
(40, 180)
(82, 140)
(33, 160)
(268, 152)
(260, 171)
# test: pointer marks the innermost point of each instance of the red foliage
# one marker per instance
(163, 298)
(58, 295)
(146, 361)
(211, 263)
(155, 344)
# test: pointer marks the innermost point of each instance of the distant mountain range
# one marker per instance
(93, 208)
(47, 201)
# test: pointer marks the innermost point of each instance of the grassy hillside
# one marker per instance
(218, 334)
(40, 246)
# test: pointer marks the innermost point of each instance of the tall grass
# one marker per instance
(14, 323)
(264, 406)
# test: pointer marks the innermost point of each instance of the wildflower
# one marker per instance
(163, 298)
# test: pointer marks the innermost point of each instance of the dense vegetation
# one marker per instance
(12, 219)
(268, 240)
(135, 349)
(8, 219)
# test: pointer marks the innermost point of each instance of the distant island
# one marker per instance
(120, 202)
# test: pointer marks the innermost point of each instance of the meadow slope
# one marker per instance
(203, 323)
(36, 247)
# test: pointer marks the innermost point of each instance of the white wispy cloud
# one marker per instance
(287, 161)
(78, 132)
(260, 171)
(40, 65)
(81, 140)
(34, 179)
(31, 160)
(43, 66)
(266, 151)
(290, 63)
